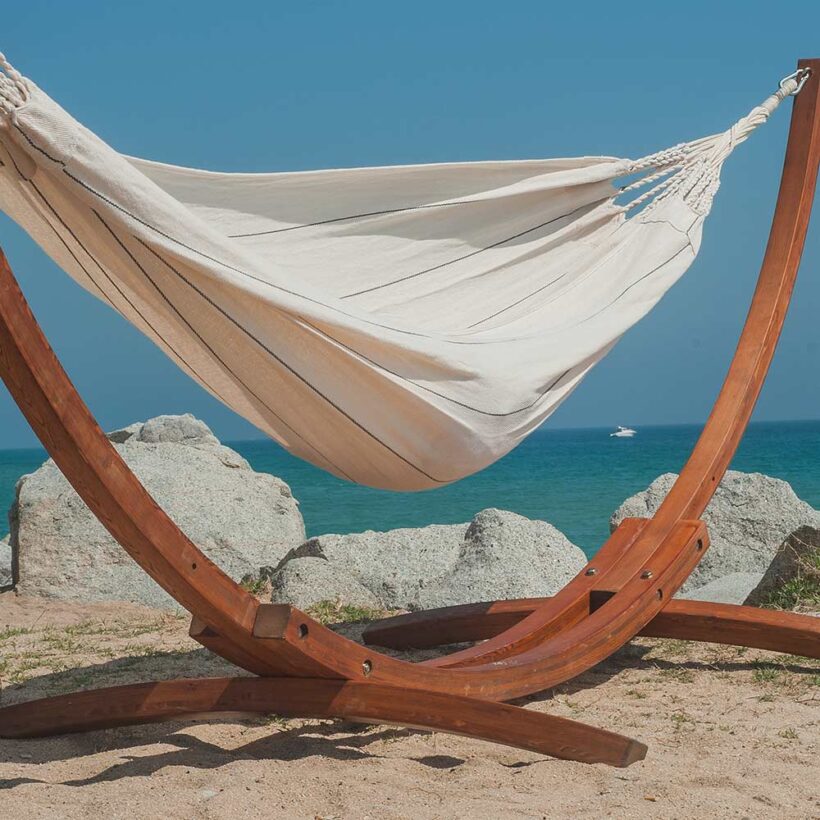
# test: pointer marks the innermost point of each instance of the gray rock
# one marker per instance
(188, 430)
(748, 518)
(796, 557)
(183, 429)
(239, 518)
(499, 555)
(305, 582)
(6, 579)
(394, 564)
(504, 556)
(731, 589)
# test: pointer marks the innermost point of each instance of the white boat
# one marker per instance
(623, 432)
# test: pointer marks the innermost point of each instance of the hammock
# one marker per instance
(401, 327)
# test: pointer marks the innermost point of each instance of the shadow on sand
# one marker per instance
(339, 740)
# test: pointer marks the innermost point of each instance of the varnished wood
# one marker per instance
(704, 621)
(738, 626)
(463, 623)
(635, 573)
(209, 638)
(296, 697)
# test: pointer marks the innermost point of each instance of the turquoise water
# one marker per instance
(572, 478)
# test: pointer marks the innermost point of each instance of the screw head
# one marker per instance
(591, 571)
(646, 574)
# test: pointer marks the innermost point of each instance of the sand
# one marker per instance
(731, 733)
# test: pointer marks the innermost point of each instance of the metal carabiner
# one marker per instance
(801, 76)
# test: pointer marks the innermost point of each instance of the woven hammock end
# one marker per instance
(14, 91)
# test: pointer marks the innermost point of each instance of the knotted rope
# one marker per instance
(14, 91)
(692, 169)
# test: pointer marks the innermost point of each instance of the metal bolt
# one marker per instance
(646, 574)
(367, 668)
(591, 571)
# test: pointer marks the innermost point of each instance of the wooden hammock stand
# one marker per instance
(304, 669)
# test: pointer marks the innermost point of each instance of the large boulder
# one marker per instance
(239, 518)
(6, 578)
(505, 556)
(305, 582)
(392, 565)
(748, 519)
(797, 564)
(498, 555)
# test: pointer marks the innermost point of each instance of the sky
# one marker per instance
(264, 86)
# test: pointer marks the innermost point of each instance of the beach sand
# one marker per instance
(731, 733)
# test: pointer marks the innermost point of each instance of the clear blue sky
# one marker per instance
(280, 86)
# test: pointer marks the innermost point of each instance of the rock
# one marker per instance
(239, 518)
(498, 555)
(178, 430)
(504, 556)
(392, 565)
(305, 582)
(797, 557)
(191, 431)
(6, 579)
(731, 589)
(748, 518)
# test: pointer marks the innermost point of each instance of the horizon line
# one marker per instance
(542, 429)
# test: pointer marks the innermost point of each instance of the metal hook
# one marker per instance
(801, 76)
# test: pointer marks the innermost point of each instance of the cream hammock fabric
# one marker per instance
(401, 327)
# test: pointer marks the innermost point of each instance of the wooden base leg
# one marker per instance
(449, 625)
(319, 698)
(686, 620)
(738, 626)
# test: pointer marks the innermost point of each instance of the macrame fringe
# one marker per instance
(14, 91)
(691, 170)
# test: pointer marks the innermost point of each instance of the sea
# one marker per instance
(573, 478)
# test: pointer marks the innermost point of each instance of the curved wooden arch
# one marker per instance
(628, 583)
